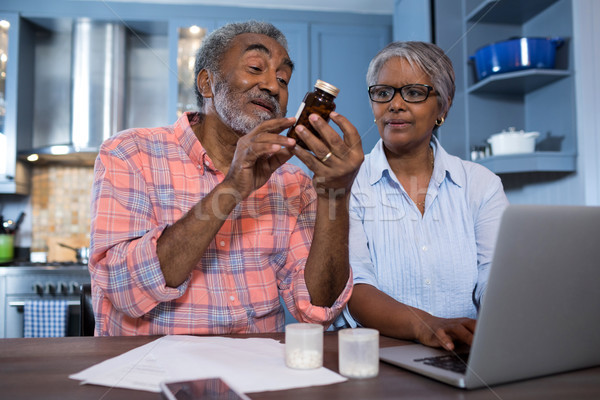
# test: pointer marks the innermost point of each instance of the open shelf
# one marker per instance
(531, 162)
(518, 82)
(504, 12)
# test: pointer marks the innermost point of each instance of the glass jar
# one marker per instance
(321, 102)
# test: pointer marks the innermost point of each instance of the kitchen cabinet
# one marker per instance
(541, 100)
(13, 175)
(340, 55)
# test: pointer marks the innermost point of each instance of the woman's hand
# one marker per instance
(444, 332)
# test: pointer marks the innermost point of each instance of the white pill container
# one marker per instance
(358, 352)
(304, 346)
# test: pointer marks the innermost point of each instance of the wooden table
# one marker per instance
(39, 369)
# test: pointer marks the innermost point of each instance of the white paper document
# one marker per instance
(249, 365)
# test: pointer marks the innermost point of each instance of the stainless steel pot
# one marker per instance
(82, 253)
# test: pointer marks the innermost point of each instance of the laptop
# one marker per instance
(541, 310)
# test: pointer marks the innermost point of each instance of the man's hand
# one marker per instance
(335, 172)
(258, 154)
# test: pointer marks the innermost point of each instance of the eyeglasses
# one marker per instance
(414, 93)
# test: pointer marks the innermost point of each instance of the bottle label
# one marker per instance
(299, 111)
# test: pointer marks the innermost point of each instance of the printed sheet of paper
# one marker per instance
(249, 365)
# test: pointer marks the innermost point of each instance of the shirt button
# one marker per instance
(222, 243)
(424, 248)
(231, 298)
(427, 281)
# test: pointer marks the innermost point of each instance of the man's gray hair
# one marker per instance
(215, 45)
(429, 58)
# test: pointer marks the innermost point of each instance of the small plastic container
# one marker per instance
(358, 352)
(304, 346)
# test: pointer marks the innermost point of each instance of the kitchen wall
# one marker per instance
(60, 208)
(57, 211)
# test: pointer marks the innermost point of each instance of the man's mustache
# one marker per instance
(271, 100)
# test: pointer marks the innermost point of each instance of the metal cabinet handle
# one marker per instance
(22, 303)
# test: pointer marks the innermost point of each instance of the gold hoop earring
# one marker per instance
(439, 122)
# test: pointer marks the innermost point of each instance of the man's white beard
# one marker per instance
(228, 105)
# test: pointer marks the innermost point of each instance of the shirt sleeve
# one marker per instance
(363, 269)
(124, 232)
(292, 284)
(360, 256)
(487, 222)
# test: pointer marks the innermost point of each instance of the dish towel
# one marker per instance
(45, 318)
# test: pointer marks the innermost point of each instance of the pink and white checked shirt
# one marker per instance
(145, 180)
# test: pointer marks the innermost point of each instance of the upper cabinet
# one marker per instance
(340, 55)
(7, 156)
(13, 175)
(540, 100)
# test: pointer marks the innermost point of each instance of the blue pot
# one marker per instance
(514, 55)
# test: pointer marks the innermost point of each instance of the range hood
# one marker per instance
(97, 77)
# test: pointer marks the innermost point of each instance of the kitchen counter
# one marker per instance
(39, 368)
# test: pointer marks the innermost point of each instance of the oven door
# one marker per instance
(15, 306)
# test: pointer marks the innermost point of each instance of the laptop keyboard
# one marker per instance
(452, 362)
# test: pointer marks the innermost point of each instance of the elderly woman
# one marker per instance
(423, 222)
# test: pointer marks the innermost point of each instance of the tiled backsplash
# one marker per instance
(60, 202)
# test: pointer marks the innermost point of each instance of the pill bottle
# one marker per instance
(321, 102)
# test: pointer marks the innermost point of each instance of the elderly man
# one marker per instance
(200, 227)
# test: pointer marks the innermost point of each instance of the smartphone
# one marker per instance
(206, 389)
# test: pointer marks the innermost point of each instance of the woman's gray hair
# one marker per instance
(429, 58)
(214, 45)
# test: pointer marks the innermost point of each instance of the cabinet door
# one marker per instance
(340, 55)
(183, 45)
(15, 88)
(8, 28)
(297, 37)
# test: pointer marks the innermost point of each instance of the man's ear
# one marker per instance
(204, 84)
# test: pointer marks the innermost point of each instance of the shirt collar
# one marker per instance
(378, 163)
(189, 142)
(445, 165)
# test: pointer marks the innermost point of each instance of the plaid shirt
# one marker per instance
(147, 179)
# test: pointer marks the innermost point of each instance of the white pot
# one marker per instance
(513, 142)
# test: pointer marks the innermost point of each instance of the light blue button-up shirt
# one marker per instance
(439, 261)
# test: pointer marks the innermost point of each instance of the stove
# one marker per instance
(23, 280)
(42, 264)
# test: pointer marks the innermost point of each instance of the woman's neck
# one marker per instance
(418, 162)
(413, 171)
